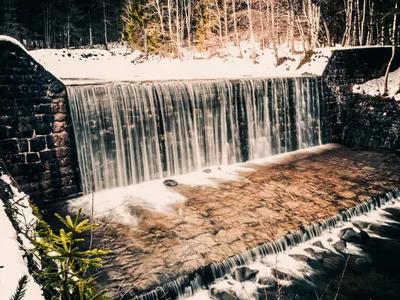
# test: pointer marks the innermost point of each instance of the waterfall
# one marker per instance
(128, 133)
(189, 284)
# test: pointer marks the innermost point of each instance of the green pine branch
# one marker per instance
(19, 293)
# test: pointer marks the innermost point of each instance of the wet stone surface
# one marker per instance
(216, 223)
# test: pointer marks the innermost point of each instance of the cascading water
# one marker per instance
(133, 132)
(188, 285)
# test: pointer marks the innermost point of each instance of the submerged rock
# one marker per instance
(223, 295)
(340, 245)
(268, 282)
(299, 257)
(358, 264)
(207, 171)
(318, 244)
(314, 254)
(244, 274)
(170, 182)
(351, 236)
(334, 262)
(279, 274)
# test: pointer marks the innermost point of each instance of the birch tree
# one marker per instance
(394, 44)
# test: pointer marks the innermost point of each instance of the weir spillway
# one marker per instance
(128, 133)
(132, 134)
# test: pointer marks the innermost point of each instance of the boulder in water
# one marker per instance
(334, 262)
(314, 254)
(268, 282)
(279, 274)
(244, 274)
(351, 236)
(207, 171)
(358, 264)
(318, 244)
(170, 182)
(299, 257)
(340, 245)
(223, 295)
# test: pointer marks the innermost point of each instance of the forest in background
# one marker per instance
(170, 26)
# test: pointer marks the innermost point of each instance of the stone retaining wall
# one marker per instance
(357, 120)
(36, 137)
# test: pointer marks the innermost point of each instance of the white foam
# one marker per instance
(115, 203)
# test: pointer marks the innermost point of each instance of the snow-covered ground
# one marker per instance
(120, 64)
(12, 263)
(375, 87)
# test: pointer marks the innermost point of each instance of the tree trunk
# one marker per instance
(219, 24)
(349, 24)
(327, 32)
(394, 43)
(235, 23)
(105, 23)
(188, 13)
(262, 27)
(370, 38)
(160, 16)
(226, 22)
(364, 16)
(177, 24)
(292, 50)
(250, 21)
(274, 34)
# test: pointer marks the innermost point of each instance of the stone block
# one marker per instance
(61, 139)
(62, 152)
(36, 167)
(9, 146)
(32, 157)
(52, 194)
(44, 128)
(23, 145)
(50, 141)
(25, 131)
(69, 190)
(48, 175)
(48, 118)
(66, 171)
(58, 127)
(44, 109)
(46, 155)
(37, 144)
(4, 132)
(60, 117)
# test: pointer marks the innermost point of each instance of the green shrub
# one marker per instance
(64, 264)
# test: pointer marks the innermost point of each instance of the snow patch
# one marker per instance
(375, 87)
(6, 38)
(77, 66)
(14, 266)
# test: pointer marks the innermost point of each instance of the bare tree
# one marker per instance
(105, 23)
(394, 43)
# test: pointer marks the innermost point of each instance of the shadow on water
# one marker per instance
(372, 275)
